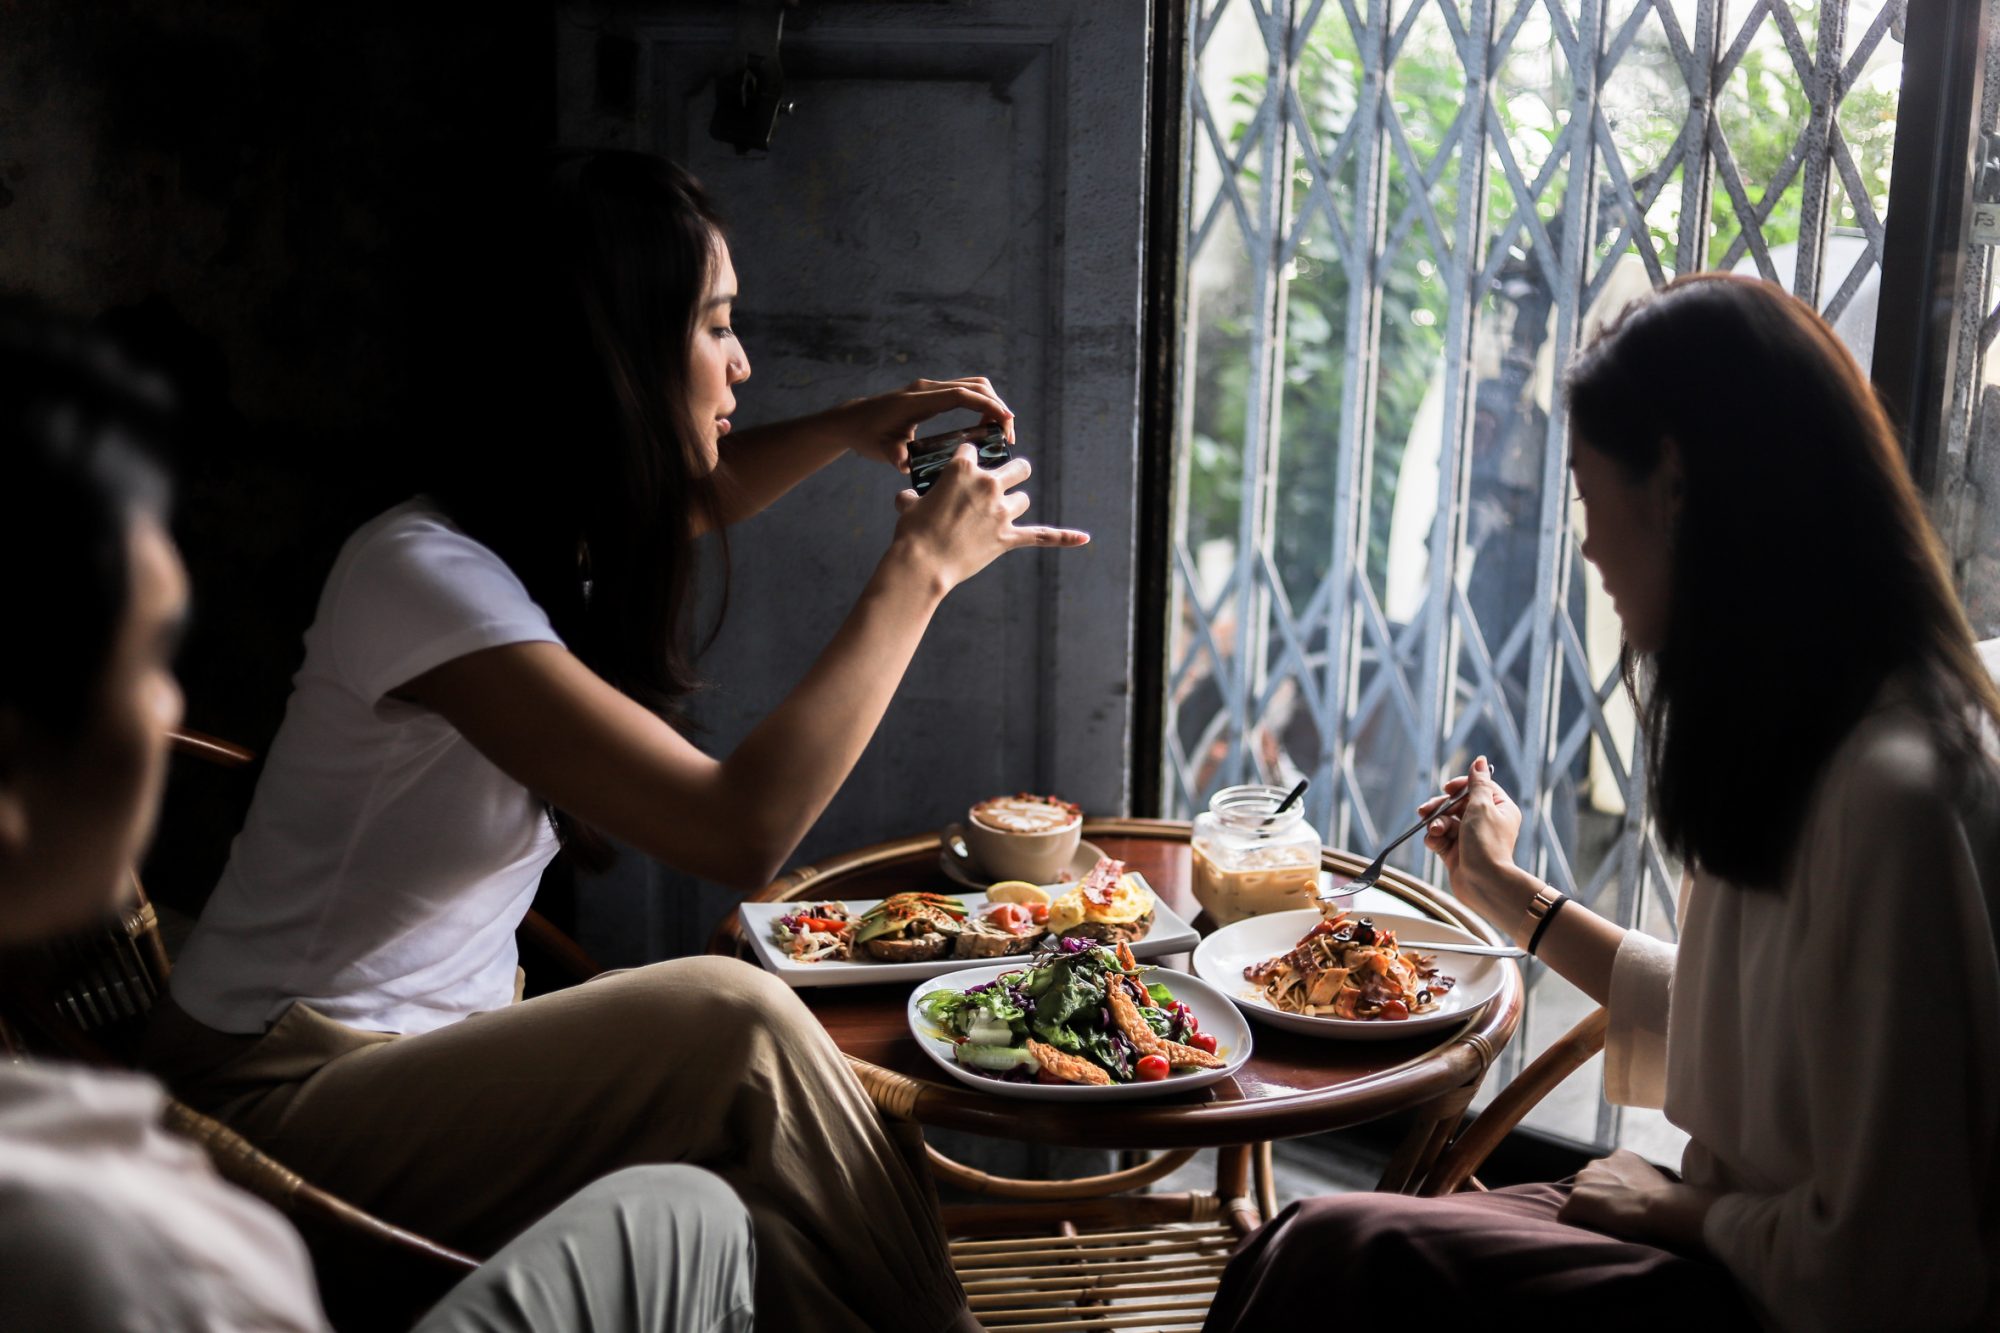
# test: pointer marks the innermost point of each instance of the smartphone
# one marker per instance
(929, 455)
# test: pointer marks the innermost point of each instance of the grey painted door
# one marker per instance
(959, 191)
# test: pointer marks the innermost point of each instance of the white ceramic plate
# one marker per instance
(1170, 934)
(1212, 1011)
(1222, 957)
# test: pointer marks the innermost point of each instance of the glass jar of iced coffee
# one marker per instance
(1248, 861)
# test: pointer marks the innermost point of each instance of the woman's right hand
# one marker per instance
(1476, 841)
(968, 519)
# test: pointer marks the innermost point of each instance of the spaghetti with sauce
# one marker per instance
(1348, 967)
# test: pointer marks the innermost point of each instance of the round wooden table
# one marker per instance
(1292, 1085)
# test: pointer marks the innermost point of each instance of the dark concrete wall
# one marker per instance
(960, 191)
(242, 183)
(246, 184)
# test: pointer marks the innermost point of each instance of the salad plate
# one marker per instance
(1169, 934)
(1210, 1009)
(1221, 958)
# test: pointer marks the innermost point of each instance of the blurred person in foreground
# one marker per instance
(107, 1221)
(1820, 739)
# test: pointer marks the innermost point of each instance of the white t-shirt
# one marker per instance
(1833, 1048)
(385, 862)
(108, 1223)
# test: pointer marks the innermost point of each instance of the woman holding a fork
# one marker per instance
(1820, 739)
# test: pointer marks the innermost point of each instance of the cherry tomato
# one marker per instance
(1152, 1068)
(825, 925)
(1202, 1041)
(1395, 1009)
(1323, 928)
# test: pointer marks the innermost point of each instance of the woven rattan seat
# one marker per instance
(1156, 1278)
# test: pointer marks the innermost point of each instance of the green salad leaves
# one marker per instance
(1061, 998)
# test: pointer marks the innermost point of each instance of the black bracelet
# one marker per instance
(1542, 925)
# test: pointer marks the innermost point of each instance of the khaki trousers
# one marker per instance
(470, 1133)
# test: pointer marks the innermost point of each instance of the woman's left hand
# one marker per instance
(882, 426)
(1625, 1195)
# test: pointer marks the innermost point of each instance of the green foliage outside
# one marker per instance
(1762, 111)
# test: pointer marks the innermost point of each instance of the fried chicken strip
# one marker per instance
(1148, 1042)
(1069, 1068)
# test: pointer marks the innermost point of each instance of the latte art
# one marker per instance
(1024, 814)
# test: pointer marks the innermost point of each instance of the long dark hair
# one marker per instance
(584, 471)
(77, 427)
(1804, 571)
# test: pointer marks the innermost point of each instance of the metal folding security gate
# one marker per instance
(1403, 217)
(1962, 386)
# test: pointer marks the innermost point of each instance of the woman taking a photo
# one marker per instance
(1819, 738)
(494, 670)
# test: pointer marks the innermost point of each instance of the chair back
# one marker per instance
(88, 994)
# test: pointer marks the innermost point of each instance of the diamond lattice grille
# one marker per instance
(1404, 216)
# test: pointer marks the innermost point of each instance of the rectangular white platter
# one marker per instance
(1170, 935)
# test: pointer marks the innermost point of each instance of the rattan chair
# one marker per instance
(1454, 1168)
(88, 996)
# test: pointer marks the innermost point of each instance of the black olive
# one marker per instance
(1364, 934)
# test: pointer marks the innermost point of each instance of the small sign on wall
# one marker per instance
(1986, 192)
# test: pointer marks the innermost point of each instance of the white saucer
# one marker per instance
(1087, 856)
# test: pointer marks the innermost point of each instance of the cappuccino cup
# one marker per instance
(1016, 837)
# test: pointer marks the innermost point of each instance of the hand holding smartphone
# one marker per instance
(929, 454)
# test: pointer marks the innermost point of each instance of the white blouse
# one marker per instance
(1833, 1049)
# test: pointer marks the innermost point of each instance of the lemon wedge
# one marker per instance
(1017, 891)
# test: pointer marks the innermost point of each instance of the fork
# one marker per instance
(1366, 879)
